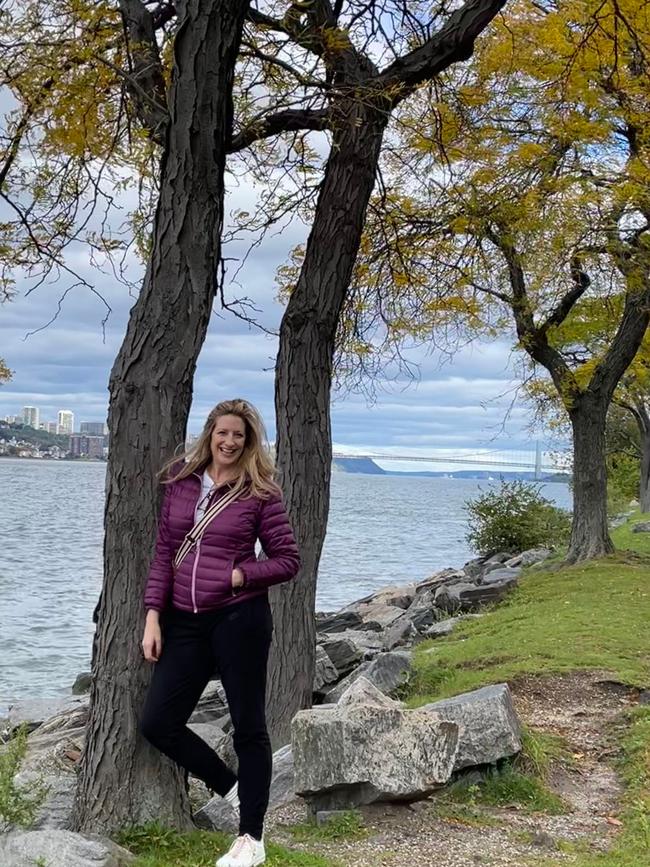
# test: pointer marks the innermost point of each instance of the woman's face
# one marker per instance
(228, 440)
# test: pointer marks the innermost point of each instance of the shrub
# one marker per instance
(17, 805)
(515, 517)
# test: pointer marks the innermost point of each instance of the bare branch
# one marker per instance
(453, 42)
(146, 69)
(274, 124)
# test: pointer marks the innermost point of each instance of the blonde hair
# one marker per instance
(256, 467)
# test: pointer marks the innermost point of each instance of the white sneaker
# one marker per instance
(244, 852)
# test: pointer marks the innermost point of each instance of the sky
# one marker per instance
(459, 407)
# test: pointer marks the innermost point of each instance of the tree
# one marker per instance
(5, 373)
(532, 199)
(313, 67)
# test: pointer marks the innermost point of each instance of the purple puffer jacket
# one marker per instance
(204, 578)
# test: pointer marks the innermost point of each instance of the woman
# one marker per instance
(214, 595)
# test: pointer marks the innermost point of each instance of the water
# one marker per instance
(382, 530)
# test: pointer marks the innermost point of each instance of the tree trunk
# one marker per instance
(589, 534)
(302, 396)
(643, 421)
(122, 779)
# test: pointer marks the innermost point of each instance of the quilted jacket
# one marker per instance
(203, 581)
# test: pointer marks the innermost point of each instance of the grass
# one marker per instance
(346, 826)
(588, 616)
(592, 615)
(156, 846)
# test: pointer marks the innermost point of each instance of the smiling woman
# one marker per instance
(207, 606)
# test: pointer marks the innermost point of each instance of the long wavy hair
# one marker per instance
(256, 467)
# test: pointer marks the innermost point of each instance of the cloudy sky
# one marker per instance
(455, 408)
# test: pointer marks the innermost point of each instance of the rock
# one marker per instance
(338, 621)
(363, 691)
(53, 751)
(489, 728)
(499, 575)
(474, 568)
(643, 527)
(211, 733)
(644, 696)
(333, 694)
(446, 627)
(387, 672)
(528, 558)
(325, 672)
(60, 849)
(443, 627)
(370, 643)
(469, 597)
(438, 579)
(34, 712)
(422, 612)
(398, 597)
(82, 683)
(377, 616)
(218, 815)
(344, 653)
(543, 840)
(496, 560)
(358, 753)
(212, 705)
(401, 632)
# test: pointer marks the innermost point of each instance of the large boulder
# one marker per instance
(377, 616)
(398, 597)
(337, 621)
(489, 727)
(503, 575)
(439, 579)
(528, 558)
(218, 815)
(641, 527)
(344, 653)
(469, 597)
(388, 672)
(212, 705)
(53, 751)
(401, 632)
(325, 671)
(60, 849)
(32, 713)
(423, 612)
(368, 749)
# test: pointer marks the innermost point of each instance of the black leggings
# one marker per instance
(236, 640)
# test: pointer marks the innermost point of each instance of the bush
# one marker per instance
(513, 518)
(18, 806)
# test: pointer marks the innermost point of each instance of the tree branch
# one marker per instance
(290, 120)
(453, 42)
(146, 69)
(581, 282)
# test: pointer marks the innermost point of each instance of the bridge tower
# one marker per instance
(538, 460)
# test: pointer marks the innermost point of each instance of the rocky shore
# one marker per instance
(358, 745)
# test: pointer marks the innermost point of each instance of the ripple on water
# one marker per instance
(383, 530)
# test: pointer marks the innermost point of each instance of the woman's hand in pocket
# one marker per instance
(237, 579)
(152, 639)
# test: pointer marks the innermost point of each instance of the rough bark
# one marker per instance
(302, 397)
(123, 780)
(643, 421)
(309, 325)
(589, 533)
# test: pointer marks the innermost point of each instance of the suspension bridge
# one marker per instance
(534, 460)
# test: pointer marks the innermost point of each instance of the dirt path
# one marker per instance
(585, 708)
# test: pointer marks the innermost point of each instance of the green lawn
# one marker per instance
(593, 615)
(587, 616)
(160, 847)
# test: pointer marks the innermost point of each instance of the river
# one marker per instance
(382, 530)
